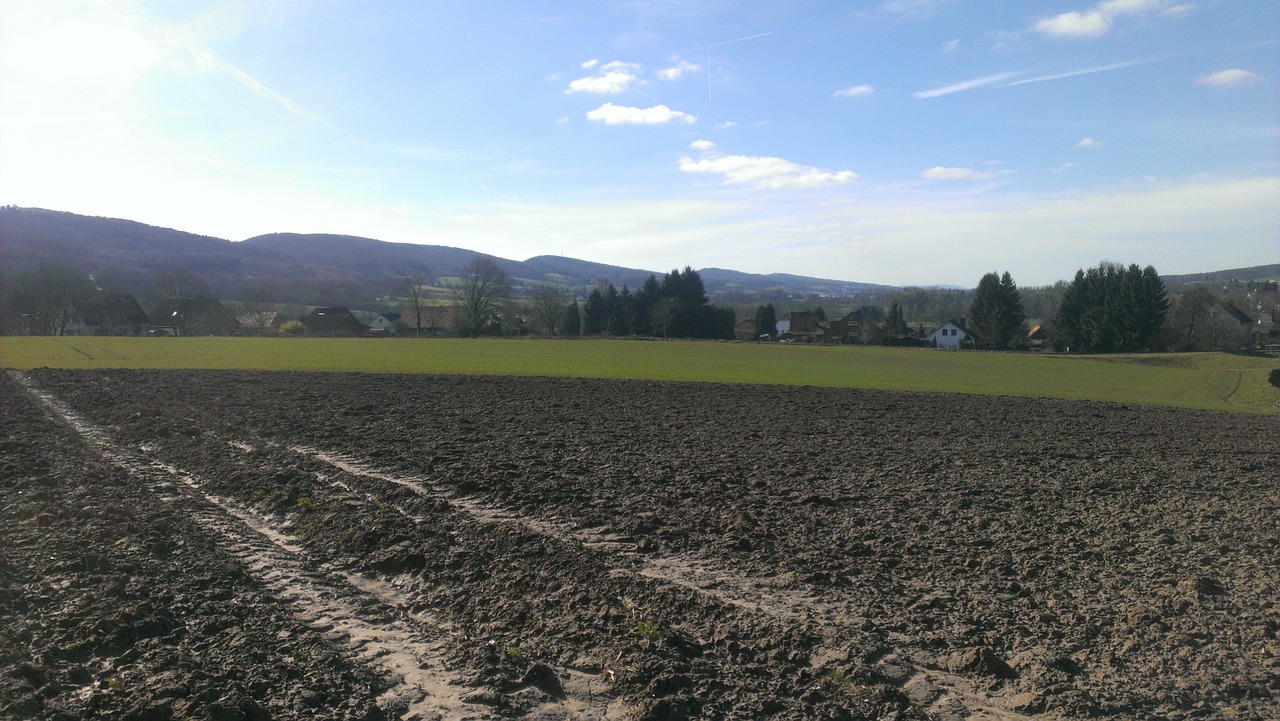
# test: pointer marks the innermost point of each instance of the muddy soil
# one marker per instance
(250, 545)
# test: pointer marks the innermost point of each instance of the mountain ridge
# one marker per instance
(336, 269)
(312, 268)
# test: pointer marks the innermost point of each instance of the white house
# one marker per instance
(385, 323)
(950, 335)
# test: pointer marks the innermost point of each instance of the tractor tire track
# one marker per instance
(370, 618)
(945, 693)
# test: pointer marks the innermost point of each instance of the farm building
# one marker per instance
(107, 314)
(335, 321)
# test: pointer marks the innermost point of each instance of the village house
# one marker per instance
(387, 323)
(435, 320)
(1038, 337)
(851, 328)
(801, 325)
(191, 316)
(261, 322)
(107, 314)
(745, 329)
(953, 334)
(334, 321)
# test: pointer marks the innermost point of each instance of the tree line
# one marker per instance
(675, 307)
(1107, 308)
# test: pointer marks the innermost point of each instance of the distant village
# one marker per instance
(1222, 324)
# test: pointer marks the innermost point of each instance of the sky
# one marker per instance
(905, 142)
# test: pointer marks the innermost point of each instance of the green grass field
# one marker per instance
(1210, 381)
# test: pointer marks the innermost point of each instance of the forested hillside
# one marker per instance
(314, 269)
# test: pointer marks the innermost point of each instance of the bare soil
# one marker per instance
(294, 546)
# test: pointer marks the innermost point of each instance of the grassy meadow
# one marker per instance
(1210, 381)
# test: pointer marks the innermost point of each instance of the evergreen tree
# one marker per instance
(596, 314)
(1014, 327)
(1153, 308)
(766, 320)
(895, 325)
(646, 298)
(1111, 309)
(996, 313)
(571, 326)
(626, 312)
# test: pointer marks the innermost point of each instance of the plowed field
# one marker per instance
(234, 545)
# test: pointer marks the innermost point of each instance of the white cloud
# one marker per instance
(951, 46)
(1100, 19)
(1075, 25)
(764, 172)
(855, 91)
(610, 79)
(702, 145)
(941, 173)
(611, 114)
(1177, 11)
(588, 64)
(962, 86)
(1089, 143)
(1227, 78)
(676, 71)
(726, 125)
(1064, 167)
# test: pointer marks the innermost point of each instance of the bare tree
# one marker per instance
(1192, 318)
(479, 294)
(257, 309)
(547, 304)
(412, 283)
(174, 294)
(514, 315)
(664, 314)
(435, 314)
(44, 300)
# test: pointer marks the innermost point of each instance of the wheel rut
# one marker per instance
(371, 618)
(944, 693)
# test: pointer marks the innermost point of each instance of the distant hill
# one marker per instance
(321, 269)
(1257, 272)
(315, 269)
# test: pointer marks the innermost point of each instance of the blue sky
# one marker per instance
(895, 141)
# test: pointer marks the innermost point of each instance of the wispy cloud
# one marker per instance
(940, 173)
(965, 85)
(610, 79)
(702, 145)
(765, 172)
(913, 8)
(259, 89)
(1089, 143)
(1086, 71)
(1227, 78)
(856, 91)
(951, 46)
(611, 114)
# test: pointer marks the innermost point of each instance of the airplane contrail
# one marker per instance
(749, 37)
